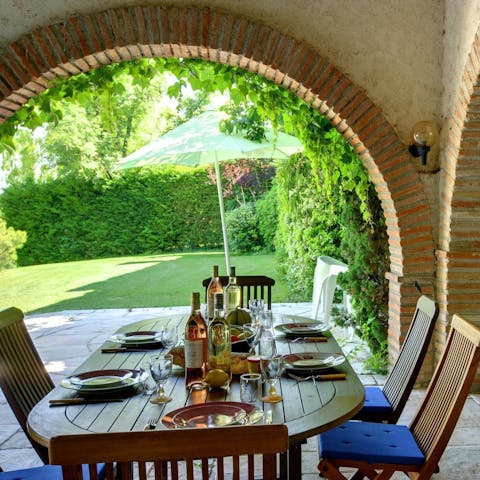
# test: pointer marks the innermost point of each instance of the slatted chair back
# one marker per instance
(239, 452)
(445, 397)
(23, 377)
(252, 286)
(403, 375)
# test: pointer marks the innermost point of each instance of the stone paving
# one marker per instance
(65, 339)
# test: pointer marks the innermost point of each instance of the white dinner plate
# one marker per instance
(312, 361)
(139, 337)
(102, 381)
(302, 328)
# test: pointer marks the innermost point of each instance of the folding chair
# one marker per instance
(386, 404)
(377, 450)
(23, 377)
(183, 453)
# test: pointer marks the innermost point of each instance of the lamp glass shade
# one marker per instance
(424, 133)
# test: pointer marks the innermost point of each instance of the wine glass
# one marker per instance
(148, 385)
(161, 368)
(250, 332)
(266, 344)
(255, 306)
(272, 368)
(169, 337)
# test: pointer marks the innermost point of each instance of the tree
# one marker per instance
(10, 241)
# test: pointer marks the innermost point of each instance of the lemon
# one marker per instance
(216, 378)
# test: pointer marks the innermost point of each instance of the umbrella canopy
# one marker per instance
(199, 141)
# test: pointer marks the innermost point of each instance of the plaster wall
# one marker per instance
(388, 48)
(462, 18)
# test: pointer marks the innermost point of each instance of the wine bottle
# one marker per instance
(196, 346)
(219, 348)
(233, 293)
(215, 286)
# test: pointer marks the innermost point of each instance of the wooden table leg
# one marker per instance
(295, 461)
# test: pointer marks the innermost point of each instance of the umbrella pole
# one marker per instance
(222, 216)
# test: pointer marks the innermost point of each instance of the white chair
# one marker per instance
(324, 284)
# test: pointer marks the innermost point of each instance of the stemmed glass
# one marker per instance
(250, 334)
(161, 368)
(272, 368)
(169, 337)
(255, 306)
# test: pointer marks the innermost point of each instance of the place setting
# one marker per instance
(311, 331)
(142, 341)
(314, 366)
(99, 386)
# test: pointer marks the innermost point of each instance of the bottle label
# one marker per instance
(193, 353)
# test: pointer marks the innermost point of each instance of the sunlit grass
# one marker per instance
(124, 282)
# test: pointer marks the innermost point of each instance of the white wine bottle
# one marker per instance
(196, 346)
(233, 293)
(219, 348)
(215, 286)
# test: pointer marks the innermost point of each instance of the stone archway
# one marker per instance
(458, 277)
(83, 43)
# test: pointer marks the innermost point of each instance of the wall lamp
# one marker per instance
(423, 135)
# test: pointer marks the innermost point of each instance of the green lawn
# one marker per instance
(125, 282)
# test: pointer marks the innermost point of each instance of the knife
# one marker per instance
(311, 339)
(58, 402)
(126, 350)
(324, 377)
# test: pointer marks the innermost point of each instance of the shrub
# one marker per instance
(10, 241)
(267, 217)
(242, 227)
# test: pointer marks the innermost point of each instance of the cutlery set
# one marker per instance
(61, 402)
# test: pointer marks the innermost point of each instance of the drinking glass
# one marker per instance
(250, 332)
(266, 344)
(249, 387)
(148, 385)
(272, 368)
(169, 337)
(255, 306)
(161, 369)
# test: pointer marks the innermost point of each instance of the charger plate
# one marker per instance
(214, 414)
(308, 362)
(102, 381)
(302, 329)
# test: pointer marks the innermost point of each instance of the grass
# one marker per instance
(124, 282)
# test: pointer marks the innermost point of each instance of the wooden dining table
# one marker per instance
(308, 407)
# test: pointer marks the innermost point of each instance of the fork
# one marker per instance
(151, 424)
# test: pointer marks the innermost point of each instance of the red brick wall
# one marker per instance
(86, 42)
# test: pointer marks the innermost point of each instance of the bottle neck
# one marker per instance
(232, 279)
(195, 302)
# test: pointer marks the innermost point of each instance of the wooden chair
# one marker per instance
(253, 286)
(182, 453)
(45, 472)
(23, 377)
(386, 404)
(377, 450)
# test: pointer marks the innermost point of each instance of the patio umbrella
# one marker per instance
(199, 141)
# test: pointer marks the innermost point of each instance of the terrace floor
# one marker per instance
(90, 328)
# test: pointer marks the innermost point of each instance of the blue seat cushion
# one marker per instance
(371, 442)
(45, 472)
(375, 402)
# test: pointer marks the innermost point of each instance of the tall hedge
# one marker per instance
(148, 210)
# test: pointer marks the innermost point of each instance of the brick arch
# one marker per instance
(458, 280)
(82, 43)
